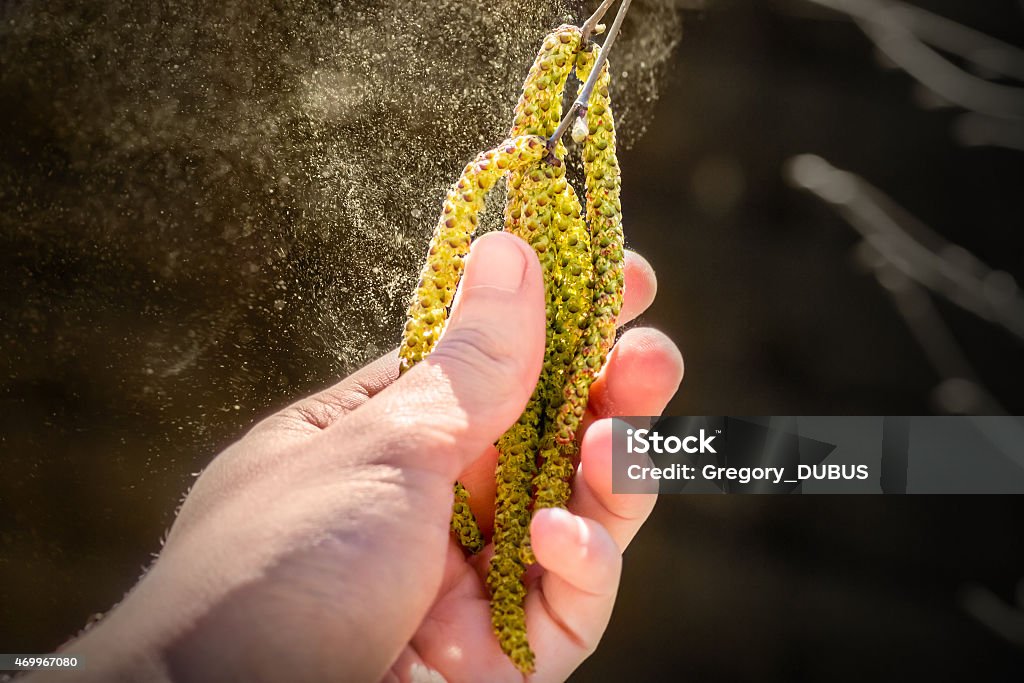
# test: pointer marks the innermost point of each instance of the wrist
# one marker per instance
(105, 656)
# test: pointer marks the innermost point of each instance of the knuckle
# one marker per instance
(312, 412)
(408, 422)
(482, 354)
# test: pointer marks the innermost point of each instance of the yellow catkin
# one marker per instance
(540, 188)
(569, 292)
(571, 297)
(442, 271)
(582, 261)
(530, 211)
(540, 105)
(540, 108)
(449, 245)
(604, 216)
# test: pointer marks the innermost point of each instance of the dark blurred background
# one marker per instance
(173, 269)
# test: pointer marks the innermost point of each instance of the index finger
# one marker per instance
(319, 411)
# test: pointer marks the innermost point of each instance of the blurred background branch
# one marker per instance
(909, 260)
(1002, 617)
(992, 55)
(911, 247)
(905, 36)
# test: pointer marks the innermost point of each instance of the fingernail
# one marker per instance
(496, 262)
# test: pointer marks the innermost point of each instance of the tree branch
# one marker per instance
(590, 25)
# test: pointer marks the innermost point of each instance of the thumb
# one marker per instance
(446, 410)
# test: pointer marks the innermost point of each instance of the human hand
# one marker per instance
(318, 548)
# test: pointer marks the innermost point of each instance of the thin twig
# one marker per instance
(582, 101)
(591, 24)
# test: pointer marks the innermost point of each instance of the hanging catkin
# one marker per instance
(581, 256)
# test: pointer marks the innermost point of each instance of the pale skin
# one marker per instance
(317, 547)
